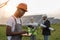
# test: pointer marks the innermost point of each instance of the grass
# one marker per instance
(2, 32)
(54, 35)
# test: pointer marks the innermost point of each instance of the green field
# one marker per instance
(54, 35)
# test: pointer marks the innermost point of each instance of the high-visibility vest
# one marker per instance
(32, 31)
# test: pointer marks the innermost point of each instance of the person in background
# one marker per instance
(32, 26)
(46, 27)
(14, 23)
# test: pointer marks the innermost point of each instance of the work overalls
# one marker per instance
(18, 28)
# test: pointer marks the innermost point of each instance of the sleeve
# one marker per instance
(42, 25)
(9, 22)
(51, 28)
(47, 24)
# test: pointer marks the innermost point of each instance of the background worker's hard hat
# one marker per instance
(22, 6)
(44, 15)
(32, 18)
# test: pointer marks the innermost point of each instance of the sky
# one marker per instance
(35, 7)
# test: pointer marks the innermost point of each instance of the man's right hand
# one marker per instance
(23, 32)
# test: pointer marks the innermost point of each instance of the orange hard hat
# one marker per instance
(22, 6)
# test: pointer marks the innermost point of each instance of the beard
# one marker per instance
(20, 15)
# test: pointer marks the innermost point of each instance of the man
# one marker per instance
(14, 23)
(46, 27)
(32, 27)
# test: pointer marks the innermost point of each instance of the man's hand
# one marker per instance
(23, 32)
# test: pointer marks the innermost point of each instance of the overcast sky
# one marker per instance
(35, 7)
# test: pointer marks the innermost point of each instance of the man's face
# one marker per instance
(44, 18)
(32, 20)
(20, 12)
